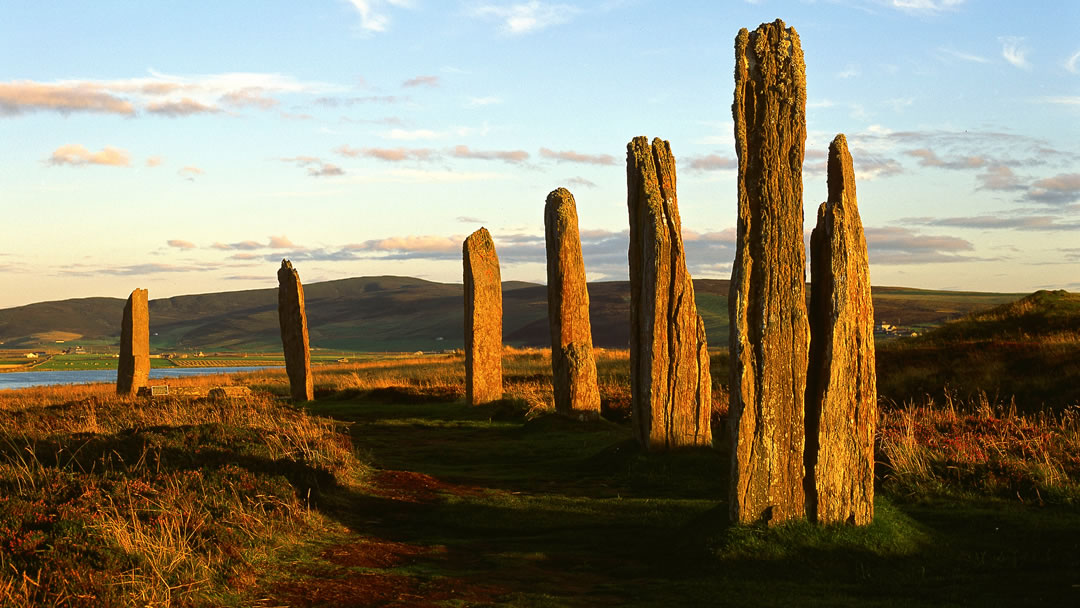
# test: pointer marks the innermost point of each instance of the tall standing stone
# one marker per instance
(769, 333)
(573, 369)
(133, 368)
(841, 385)
(292, 317)
(483, 319)
(669, 359)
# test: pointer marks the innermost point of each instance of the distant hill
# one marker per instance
(404, 314)
(1033, 317)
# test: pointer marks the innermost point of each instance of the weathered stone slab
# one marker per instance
(292, 317)
(573, 368)
(483, 319)
(133, 368)
(671, 390)
(769, 335)
(841, 391)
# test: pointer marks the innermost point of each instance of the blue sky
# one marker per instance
(188, 147)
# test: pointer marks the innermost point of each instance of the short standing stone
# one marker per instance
(483, 319)
(671, 391)
(841, 385)
(133, 368)
(292, 316)
(573, 369)
(769, 335)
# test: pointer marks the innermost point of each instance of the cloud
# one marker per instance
(421, 81)
(154, 161)
(870, 166)
(334, 102)
(132, 270)
(899, 246)
(1060, 189)
(475, 102)
(1073, 63)
(580, 181)
(389, 154)
(926, 7)
(190, 172)
(373, 16)
(999, 177)
(281, 242)
(244, 245)
(179, 244)
(468, 219)
(508, 156)
(251, 97)
(928, 158)
(77, 155)
(316, 167)
(158, 93)
(1062, 100)
(712, 162)
(18, 97)
(963, 56)
(570, 156)
(993, 222)
(848, 72)
(526, 17)
(1013, 51)
(406, 135)
(183, 107)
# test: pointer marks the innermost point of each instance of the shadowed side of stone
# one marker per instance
(133, 368)
(669, 360)
(769, 332)
(483, 319)
(292, 317)
(573, 367)
(841, 391)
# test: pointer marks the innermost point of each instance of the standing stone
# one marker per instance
(133, 369)
(669, 359)
(841, 385)
(292, 316)
(573, 369)
(769, 333)
(483, 319)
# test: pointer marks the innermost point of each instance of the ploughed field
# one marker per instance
(388, 490)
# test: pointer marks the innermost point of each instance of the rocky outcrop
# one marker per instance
(133, 368)
(292, 317)
(573, 369)
(769, 332)
(841, 391)
(669, 359)
(483, 319)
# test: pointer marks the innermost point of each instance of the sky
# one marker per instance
(187, 147)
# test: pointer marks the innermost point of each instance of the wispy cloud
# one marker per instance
(412, 134)
(569, 156)
(389, 154)
(993, 222)
(712, 162)
(1062, 100)
(183, 107)
(476, 102)
(962, 55)
(1014, 52)
(928, 158)
(999, 178)
(926, 7)
(508, 156)
(580, 181)
(190, 172)
(79, 270)
(272, 242)
(894, 245)
(526, 17)
(373, 13)
(181, 244)
(848, 72)
(154, 161)
(421, 81)
(316, 167)
(1073, 63)
(77, 155)
(249, 98)
(25, 96)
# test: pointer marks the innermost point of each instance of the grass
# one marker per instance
(388, 490)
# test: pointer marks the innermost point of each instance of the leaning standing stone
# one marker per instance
(292, 317)
(671, 391)
(573, 369)
(133, 368)
(483, 319)
(769, 335)
(841, 391)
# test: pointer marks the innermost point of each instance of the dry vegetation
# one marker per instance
(111, 501)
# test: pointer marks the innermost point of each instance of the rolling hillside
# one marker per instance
(404, 314)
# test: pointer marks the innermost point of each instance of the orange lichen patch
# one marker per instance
(375, 553)
(416, 487)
